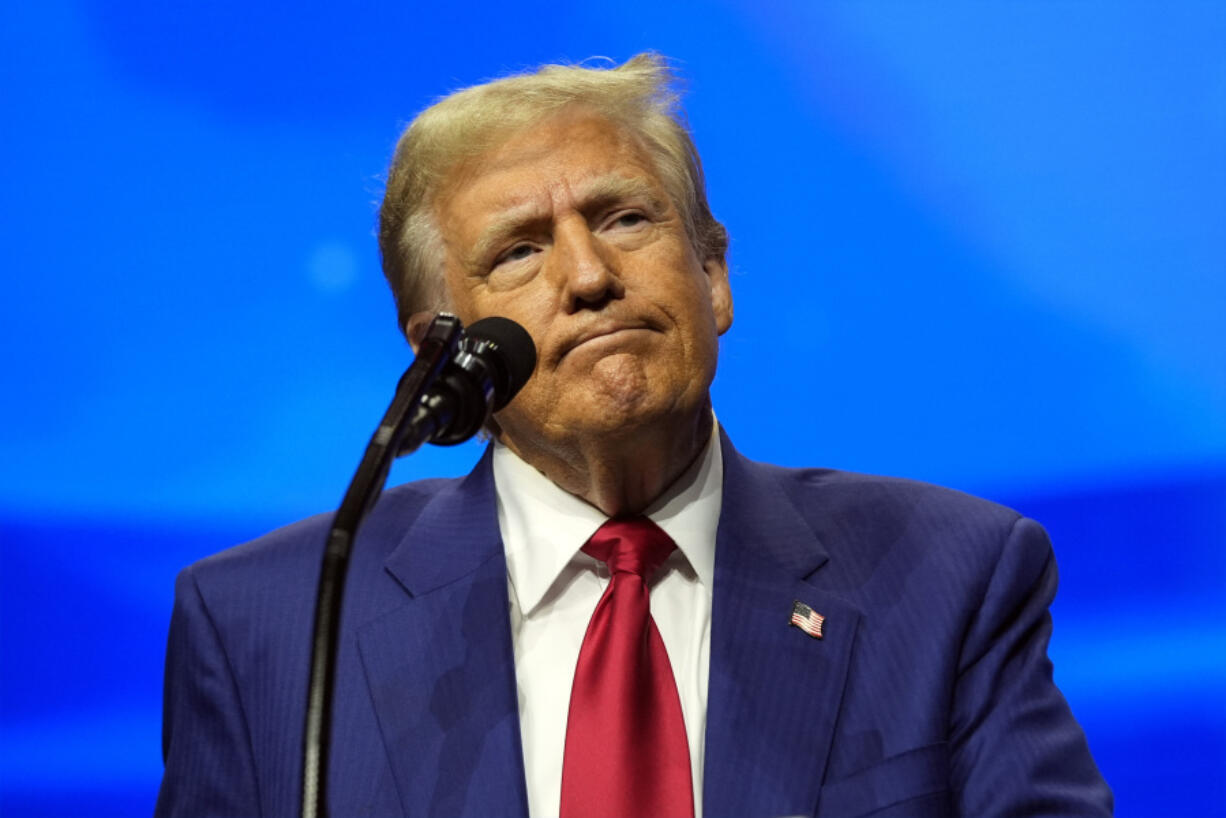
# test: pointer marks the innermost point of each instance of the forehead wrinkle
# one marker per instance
(516, 211)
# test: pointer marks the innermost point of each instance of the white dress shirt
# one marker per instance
(554, 588)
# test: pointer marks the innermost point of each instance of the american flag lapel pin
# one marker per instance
(807, 619)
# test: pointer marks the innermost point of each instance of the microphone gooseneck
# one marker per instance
(455, 382)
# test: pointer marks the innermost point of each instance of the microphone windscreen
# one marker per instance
(514, 350)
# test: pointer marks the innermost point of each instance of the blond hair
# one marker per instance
(639, 95)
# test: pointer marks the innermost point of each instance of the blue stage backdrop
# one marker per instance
(987, 241)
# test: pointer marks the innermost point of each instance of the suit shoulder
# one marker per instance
(880, 531)
(292, 553)
(849, 493)
(863, 518)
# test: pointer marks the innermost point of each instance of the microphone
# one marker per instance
(493, 360)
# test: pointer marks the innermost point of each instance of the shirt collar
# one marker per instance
(543, 527)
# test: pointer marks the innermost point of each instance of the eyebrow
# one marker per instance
(594, 194)
(605, 190)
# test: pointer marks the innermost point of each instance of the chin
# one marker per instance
(627, 415)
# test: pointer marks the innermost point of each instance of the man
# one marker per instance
(803, 642)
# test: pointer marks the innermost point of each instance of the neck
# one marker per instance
(622, 473)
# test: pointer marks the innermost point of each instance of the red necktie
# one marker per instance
(626, 750)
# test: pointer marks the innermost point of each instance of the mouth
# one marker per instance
(601, 335)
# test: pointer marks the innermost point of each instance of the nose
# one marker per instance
(586, 269)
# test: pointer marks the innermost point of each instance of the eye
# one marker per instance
(517, 253)
(628, 219)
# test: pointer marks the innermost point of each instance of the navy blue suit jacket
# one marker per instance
(931, 693)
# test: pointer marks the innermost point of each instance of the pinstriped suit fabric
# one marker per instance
(930, 694)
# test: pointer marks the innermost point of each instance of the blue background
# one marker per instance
(990, 238)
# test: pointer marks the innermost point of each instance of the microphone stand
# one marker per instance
(391, 439)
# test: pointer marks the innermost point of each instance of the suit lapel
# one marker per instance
(440, 667)
(441, 671)
(774, 692)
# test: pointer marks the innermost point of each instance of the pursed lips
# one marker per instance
(597, 333)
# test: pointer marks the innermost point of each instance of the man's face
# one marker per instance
(566, 229)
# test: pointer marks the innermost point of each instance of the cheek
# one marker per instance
(459, 295)
(533, 314)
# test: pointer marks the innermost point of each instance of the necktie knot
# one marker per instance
(633, 545)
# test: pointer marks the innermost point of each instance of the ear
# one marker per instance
(716, 269)
(415, 329)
